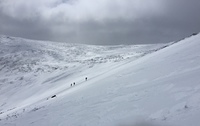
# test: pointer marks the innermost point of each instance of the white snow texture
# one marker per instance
(127, 85)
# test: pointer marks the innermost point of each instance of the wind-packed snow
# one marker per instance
(151, 84)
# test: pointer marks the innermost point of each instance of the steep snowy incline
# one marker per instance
(161, 87)
(31, 71)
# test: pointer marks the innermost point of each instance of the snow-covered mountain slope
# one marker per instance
(29, 68)
(149, 83)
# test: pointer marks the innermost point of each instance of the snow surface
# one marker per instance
(127, 85)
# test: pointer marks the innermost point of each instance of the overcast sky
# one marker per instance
(100, 21)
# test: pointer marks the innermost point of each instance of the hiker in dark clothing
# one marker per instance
(74, 83)
(86, 79)
(71, 84)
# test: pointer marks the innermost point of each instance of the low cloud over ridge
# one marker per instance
(100, 21)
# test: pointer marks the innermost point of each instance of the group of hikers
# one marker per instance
(75, 83)
(54, 96)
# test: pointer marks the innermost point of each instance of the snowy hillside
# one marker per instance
(126, 84)
(36, 65)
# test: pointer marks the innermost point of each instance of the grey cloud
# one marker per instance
(79, 10)
(100, 21)
(32, 29)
